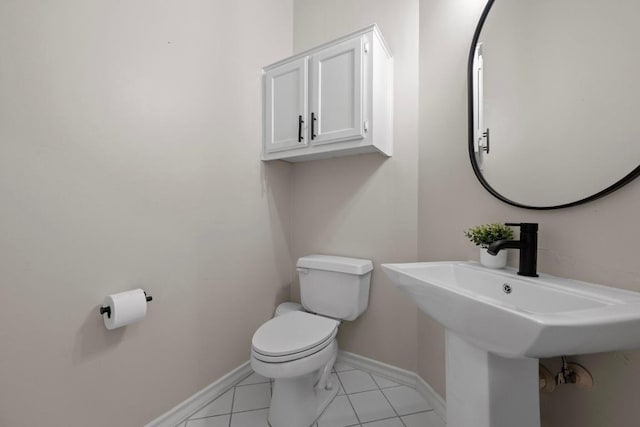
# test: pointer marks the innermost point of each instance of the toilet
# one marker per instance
(298, 347)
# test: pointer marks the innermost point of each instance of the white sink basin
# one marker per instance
(541, 317)
(498, 324)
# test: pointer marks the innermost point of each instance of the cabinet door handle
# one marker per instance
(300, 122)
(313, 126)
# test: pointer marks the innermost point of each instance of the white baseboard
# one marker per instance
(432, 397)
(187, 408)
(398, 375)
(389, 372)
(184, 410)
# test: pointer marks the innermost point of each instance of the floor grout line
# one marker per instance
(247, 385)
(380, 390)
(385, 419)
(392, 407)
(233, 401)
(190, 417)
(348, 400)
(250, 410)
(389, 386)
(373, 389)
(377, 386)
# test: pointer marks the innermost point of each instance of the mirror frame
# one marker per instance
(476, 169)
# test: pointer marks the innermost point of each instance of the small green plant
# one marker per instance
(486, 234)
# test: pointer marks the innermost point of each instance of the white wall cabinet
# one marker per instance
(334, 100)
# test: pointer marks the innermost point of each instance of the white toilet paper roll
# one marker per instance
(126, 308)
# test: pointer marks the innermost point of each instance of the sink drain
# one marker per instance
(506, 288)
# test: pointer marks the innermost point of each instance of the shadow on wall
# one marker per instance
(276, 188)
(93, 338)
(329, 192)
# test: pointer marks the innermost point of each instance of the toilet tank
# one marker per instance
(334, 286)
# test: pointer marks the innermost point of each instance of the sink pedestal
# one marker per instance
(486, 390)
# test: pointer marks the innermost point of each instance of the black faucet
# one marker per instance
(528, 245)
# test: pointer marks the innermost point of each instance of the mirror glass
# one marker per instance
(555, 100)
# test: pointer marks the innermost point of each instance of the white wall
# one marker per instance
(366, 206)
(129, 157)
(597, 242)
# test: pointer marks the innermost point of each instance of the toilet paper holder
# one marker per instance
(107, 310)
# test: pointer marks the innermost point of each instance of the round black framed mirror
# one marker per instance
(554, 100)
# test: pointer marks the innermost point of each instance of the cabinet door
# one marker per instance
(286, 104)
(336, 93)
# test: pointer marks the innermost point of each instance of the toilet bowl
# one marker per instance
(298, 348)
(298, 351)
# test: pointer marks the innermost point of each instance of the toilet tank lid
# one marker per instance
(335, 263)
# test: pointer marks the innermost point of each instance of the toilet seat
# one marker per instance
(293, 356)
(293, 336)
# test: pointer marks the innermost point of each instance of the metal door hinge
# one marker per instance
(366, 47)
(366, 125)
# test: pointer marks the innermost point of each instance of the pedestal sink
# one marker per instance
(498, 324)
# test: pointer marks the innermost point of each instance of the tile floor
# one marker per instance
(364, 400)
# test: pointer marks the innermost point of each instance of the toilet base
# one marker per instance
(296, 402)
